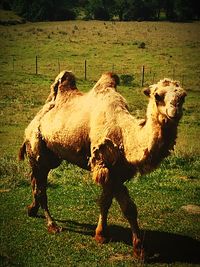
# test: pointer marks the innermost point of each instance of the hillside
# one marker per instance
(31, 55)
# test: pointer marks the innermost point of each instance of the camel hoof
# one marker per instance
(32, 211)
(138, 250)
(139, 254)
(101, 239)
(54, 228)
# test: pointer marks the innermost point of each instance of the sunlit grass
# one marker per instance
(170, 48)
(170, 51)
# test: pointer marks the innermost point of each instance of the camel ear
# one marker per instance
(116, 78)
(184, 94)
(147, 91)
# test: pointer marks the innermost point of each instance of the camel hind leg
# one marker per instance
(41, 163)
(34, 207)
(39, 187)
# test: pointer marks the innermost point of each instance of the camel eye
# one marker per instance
(159, 98)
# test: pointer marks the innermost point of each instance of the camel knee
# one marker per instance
(128, 207)
(126, 203)
(41, 197)
(130, 210)
(105, 200)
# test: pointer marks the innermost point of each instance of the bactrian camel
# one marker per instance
(95, 131)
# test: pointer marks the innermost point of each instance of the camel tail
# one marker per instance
(22, 152)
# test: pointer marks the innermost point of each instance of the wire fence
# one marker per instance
(139, 75)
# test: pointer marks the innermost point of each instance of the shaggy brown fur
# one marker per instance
(96, 131)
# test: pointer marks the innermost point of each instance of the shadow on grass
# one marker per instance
(161, 247)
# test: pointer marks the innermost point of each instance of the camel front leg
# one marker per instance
(129, 211)
(101, 233)
(39, 187)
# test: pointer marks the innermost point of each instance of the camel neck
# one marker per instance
(148, 141)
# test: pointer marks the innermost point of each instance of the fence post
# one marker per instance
(142, 78)
(58, 65)
(173, 74)
(13, 62)
(113, 67)
(36, 65)
(182, 80)
(85, 70)
(154, 77)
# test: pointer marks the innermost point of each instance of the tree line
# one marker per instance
(123, 10)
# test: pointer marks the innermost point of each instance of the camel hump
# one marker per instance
(107, 80)
(65, 81)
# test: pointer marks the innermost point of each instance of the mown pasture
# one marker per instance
(170, 234)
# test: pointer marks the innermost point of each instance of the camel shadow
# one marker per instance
(161, 247)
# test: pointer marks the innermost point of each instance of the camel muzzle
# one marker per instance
(173, 113)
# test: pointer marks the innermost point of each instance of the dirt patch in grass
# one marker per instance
(193, 209)
(120, 257)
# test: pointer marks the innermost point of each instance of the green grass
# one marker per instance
(169, 47)
(170, 234)
(72, 198)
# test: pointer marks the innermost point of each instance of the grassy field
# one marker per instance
(170, 234)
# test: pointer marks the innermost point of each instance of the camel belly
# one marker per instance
(68, 141)
(78, 156)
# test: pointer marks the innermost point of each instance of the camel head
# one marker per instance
(167, 98)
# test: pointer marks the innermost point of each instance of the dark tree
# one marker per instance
(141, 10)
(99, 9)
(39, 10)
(120, 8)
(186, 10)
(168, 7)
(6, 4)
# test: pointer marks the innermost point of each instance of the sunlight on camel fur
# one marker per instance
(95, 131)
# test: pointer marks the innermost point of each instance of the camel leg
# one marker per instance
(129, 211)
(33, 208)
(105, 202)
(39, 187)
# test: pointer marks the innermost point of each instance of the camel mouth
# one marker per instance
(171, 118)
(173, 115)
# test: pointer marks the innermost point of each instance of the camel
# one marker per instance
(96, 131)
